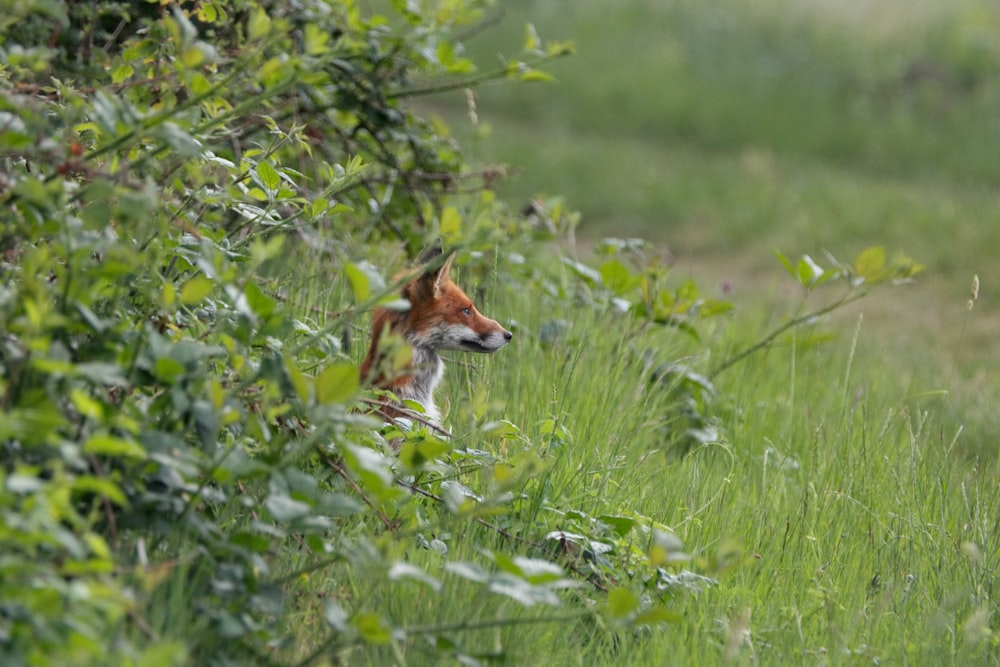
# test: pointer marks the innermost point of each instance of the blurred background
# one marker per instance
(723, 130)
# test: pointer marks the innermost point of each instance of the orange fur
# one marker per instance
(441, 317)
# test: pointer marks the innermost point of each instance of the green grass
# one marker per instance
(849, 509)
(723, 132)
(839, 512)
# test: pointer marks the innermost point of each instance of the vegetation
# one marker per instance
(201, 201)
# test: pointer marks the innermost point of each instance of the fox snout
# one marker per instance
(489, 341)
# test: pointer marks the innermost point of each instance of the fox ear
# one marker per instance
(442, 274)
(428, 286)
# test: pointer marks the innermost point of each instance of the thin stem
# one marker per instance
(851, 297)
(337, 468)
(309, 569)
(471, 81)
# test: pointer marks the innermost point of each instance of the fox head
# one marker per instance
(442, 317)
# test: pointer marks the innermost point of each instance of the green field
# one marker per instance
(201, 209)
(721, 133)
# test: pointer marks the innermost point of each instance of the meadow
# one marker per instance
(201, 206)
(858, 477)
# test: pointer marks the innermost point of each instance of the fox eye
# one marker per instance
(467, 311)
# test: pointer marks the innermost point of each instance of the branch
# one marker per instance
(339, 469)
(470, 82)
(410, 414)
(851, 297)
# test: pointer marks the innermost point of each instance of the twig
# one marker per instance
(339, 469)
(791, 324)
(410, 414)
(469, 82)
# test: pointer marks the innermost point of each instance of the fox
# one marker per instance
(441, 317)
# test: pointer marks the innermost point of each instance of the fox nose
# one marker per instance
(507, 335)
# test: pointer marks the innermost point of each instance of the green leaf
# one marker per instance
(532, 570)
(284, 508)
(163, 653)
(107, 445)
(336, 383)
(181, 142)
(588, 274)
(259, 24)
(617, 278)
(100, 372)
(687, 292)
(365, 280)
(101, 487)
(468, 571)
(531, 74)
(373, 469)
(168, 370)
(105, 112)
(622, 602)
(269, 176)
(193, 56)
(207, 12)
(400, 570)
(315, 40)
(414, 455)
(371, 628)
(870, 262)
(713, 307)
(808, 271)
(531, 40)
(298, 379)
(121, 73)
(500, 429)
(787, 263)
(560, 48)
(85, 404)
(656, 616)
(451, 226)
(195, 290)
(260, 303)
(263, 250)
(537, 570)
(622, 525)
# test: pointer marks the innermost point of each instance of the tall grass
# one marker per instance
(849, 508)
(839, 511)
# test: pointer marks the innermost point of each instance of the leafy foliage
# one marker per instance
(174, 434)
(181, 448)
